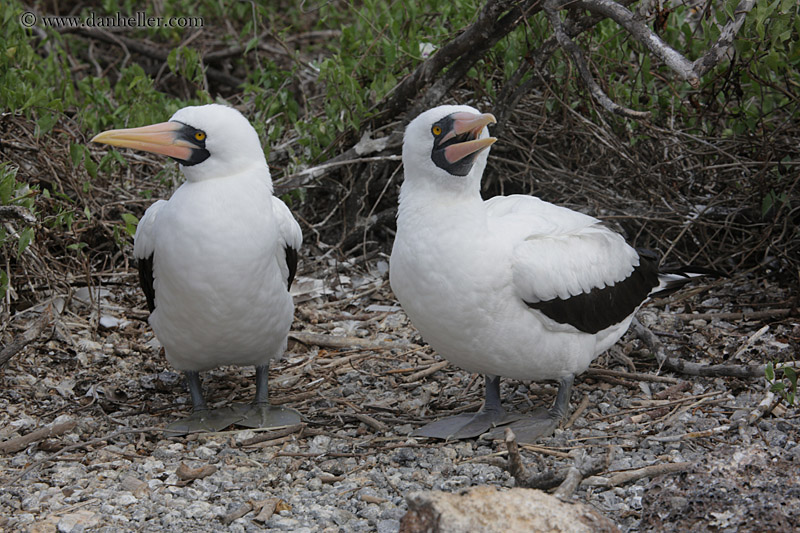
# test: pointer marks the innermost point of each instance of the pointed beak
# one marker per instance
(164, 138)
(471, 126)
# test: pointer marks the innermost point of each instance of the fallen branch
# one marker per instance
(22, 442)
(638, 376)
(77, 446)
(187, 473)
(16, 212)
(270, 435)
(30, 335)
(694, 369)
(236, 513)
(426, 372)
(335, 341)
(765, 406)
(632, 475)
(743, 316)
(549, 479)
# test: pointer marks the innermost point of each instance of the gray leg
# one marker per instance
(543, 422)
(202, 418)
(470, 424)
(196, 390)
(260, 414)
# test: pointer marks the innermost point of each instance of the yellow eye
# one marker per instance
(200, 136)
(437, 130)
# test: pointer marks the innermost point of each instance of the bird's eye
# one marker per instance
(437, 130)
(200, 136)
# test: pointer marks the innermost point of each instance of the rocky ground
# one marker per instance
(718, 453)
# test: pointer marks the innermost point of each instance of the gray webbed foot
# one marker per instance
(528, 429)
(263, 415)
(202, 420)
(464, 426)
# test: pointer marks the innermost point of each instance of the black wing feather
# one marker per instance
(291, 262)
(598, 309)
(146, 281)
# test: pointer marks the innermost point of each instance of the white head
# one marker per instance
(209, 141)
(446, 148)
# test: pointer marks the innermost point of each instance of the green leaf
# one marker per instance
(769, 371)
(91, 166)
(3, 283)
(45, 124)
(251, 44)
(76, 152)
(131, 222)
(25, 238)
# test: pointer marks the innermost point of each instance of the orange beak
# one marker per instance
(163, 138)
(473, 125)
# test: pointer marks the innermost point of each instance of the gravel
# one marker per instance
(340, 474)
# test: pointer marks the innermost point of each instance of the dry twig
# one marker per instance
(30, 335)
(632, 475)
(22, 442)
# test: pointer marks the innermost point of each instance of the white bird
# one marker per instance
(512, 286)
(217, 259)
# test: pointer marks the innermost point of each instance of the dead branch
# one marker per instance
(639, 31)
(187, 473)
(549, 479)
(270, 435)
(22, 442)
(77, 446)
(473, 41)
(744, 316)
(30, 335)
(638, 376)
(515, 465)
(416, 376)
(16, 212)
(159, 53)
(514, 88)
(693, 369)
(571, 482)
(551, 8)
(720, 48)
(333, 341)
(632, 475)
(237, 513)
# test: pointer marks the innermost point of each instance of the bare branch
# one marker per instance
(639, 30)
(31, 334)
(159, 53)
(717, 52)
(8, 212)
(514, 88)
(53, 430)
(551, 8)
(489, 28)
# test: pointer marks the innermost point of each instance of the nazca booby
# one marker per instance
(509, 287)
(217, 259)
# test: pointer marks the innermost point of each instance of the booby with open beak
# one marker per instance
(217, 259)
(509, 287)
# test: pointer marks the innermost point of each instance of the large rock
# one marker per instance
(487, 509)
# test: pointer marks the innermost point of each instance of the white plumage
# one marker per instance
(513, 286)
(218, 257)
